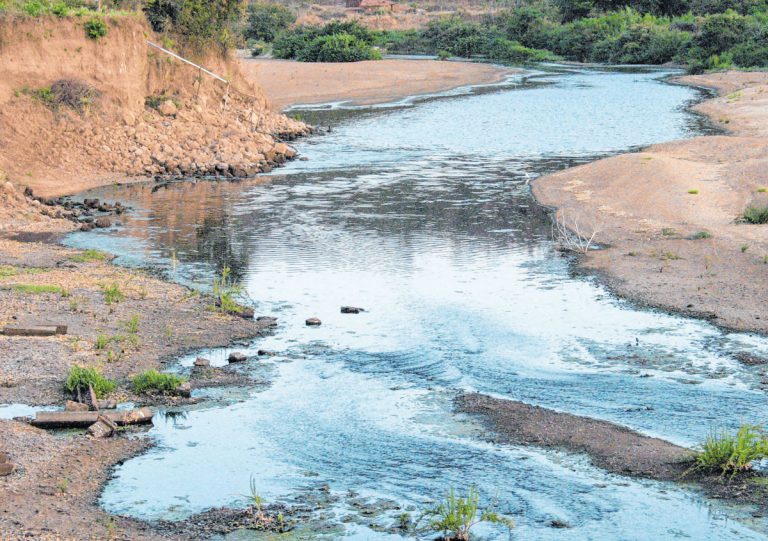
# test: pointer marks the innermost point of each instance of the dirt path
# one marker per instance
(670, 214)
(289, 83)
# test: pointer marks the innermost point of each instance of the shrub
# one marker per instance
(727, 453)
(80, 377)
(34, 8)
(720, 32)
(89, 255)
(225, 290)
(750, 54)
(457, 515)
(334, 42)
(153, 381)
(112, 293)
(95, 28)
(75, 94)
(756, 215)
(266, 21)
(198, 23)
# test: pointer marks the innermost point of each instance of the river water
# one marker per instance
(421, 213)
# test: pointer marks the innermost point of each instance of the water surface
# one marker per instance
(422, 215)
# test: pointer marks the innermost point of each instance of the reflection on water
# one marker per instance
(422, 215)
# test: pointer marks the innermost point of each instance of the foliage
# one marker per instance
(197, 23)
(756, 215)
(334, 42)
(267, 20)
(457, 515)
(728, 453)
(89, 255)
(225, 290)
(95, 28)
(35, 289)
(112, 293)
(71, 93)
(80, 377)
(153, 381)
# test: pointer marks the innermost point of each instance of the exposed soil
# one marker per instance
(289, 83)
(670, 215)
(611, 447)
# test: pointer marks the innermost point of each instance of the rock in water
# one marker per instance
(237, 357)
(202, 363)
(185, 390)
(351, 310)
(313, 322)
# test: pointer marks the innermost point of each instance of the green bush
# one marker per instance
(756, 215)
(34, 8)
(197, 23)
(728, 453)
(750, 54)
(334, 42)
(266, 21)
(457, 515)
(95, 28)
(153, 381)
(720, 32)
(80, 377)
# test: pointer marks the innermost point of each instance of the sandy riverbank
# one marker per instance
(289, 83)
(669, 216)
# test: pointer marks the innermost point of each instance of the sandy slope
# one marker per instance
(640, 205)
(288, 83)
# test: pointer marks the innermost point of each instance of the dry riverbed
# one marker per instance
(286, 82)
(669, 217)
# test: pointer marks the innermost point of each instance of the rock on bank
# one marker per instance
(143, 112)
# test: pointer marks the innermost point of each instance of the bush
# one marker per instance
(74, 93)
(457, 515)
(266, 21)
(756, 215)
(95, 29)
(720, 32)
(750, 54)
(34, 8)
(80, 377)
(153, 381)
(727, 453)
(334, 42)
(198, 23)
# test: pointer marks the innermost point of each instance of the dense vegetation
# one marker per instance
(334, 42)
(266, 21)
(700, 33)
(197, 23)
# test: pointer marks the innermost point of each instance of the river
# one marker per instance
(420, 212)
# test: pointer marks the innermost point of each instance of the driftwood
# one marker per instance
(84, 419)
(34, 330)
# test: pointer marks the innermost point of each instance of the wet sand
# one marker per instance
(668, 216)
(287, 83)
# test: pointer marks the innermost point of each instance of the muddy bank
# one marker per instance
(289, 83)
(670, 216)
(612, 447)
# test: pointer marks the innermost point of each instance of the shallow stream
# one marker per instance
(421, 214)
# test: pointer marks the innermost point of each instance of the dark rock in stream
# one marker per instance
(351, 310)
(237, 357)
(200, 362)
(313, 322)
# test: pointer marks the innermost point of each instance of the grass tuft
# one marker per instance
(156, 382)
(732, 454)
(756, 215)
(90, 255)
(80, 377)
(40, 289)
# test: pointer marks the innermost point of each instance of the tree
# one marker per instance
(266, 21)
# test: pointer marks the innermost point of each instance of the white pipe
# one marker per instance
(201, 68)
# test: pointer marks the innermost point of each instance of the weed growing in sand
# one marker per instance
(756, 215)
(102, 341)
(744, 248)
(456, 515)
(224, 292)
(156, 382)
(693, 192)
(63, 485)
(701, 235)
(40, 289)
(112, 293)
(765, 260)
(762, 189)
(667, 231)
(89, 255)
(669, 256)
(6, 271)
(732, 454)
(80, 377)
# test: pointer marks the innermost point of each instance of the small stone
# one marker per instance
(6, 468)
(237, 357)
(351, 310)
(313, 322)
(200, 362)
(168, 108)
(185, 390)
(102, 428)
(266, 353)
(103, 222)
(267, 321)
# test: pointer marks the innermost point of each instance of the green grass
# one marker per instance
(80, 377)
(224, 291)
(6, 271)
(153, 381)
(35, 289)
(762, 189)
(112, 293)
(701, 235)
(744, 248)
(728, 453)
(457, 514)
(90, 255)
(693, 192)
(102, 341)
(756, 215)
(667, 231)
